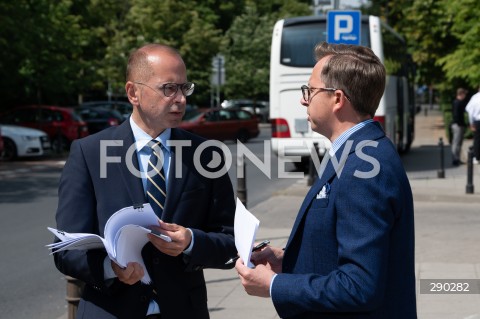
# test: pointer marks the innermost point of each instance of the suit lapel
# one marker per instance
(133, 184)
(176, 182)
(327, 171)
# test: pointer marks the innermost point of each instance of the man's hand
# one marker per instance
(271, 257)
(129, 275)
(181, 238)
(255, 281)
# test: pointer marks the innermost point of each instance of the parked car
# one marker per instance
(122, 107)
(222, 124)
(99, 118)
(23, 141)
(260, 108)
(61, 124)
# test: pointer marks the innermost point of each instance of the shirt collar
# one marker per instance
(345, 135)
(142, 138)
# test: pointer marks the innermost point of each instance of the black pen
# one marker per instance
(258, 247)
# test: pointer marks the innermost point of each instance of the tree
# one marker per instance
(43, 43)
(464, 61)
(441, 36)
(246, 47)
(246, 56)
(192, 33)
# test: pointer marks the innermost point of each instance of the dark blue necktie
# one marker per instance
(156, 186)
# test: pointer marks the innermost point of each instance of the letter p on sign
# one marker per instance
(343, 24)
(344, 27)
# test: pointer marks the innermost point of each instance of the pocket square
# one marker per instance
(324, 192)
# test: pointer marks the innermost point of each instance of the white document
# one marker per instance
(125, 235)
(245, 229)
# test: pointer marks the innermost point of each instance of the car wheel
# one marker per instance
(10, 150)
(243, 136)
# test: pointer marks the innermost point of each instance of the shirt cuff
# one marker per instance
(271, 284)
(188, 251)
(108, 272)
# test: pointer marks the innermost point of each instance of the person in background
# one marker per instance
(197, 213)
(458, 125)
(351, 250)
(473, 110)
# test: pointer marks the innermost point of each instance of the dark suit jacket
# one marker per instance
(351, 253)
(87, 199)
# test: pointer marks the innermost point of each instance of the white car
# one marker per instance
(22, 141)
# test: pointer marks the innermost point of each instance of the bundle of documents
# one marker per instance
(245, 228)
(125, 235)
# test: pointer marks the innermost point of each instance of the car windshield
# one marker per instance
(76, 117)
(192, 115)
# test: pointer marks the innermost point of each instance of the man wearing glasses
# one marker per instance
(196, 211)
(351, 250)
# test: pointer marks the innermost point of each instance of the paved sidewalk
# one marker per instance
(447, 232)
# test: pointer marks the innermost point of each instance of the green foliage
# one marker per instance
(41, 44)
(56, 51)
(246, 47)
(442, 36)
(247, 55)
(464, 61)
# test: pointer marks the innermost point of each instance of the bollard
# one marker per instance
(441, 171)
(74, 291)
(241, 181)
(470, 188)
(312, 172)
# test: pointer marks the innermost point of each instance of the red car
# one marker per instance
(61, 124)
(222, 124)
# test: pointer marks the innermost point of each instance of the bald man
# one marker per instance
(197, 213)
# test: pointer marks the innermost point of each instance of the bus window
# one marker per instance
(297, 39)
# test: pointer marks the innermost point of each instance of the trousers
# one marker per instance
(457, 141)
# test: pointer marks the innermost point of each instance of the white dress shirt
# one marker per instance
(473, 108)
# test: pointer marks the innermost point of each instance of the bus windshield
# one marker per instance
(300, 38)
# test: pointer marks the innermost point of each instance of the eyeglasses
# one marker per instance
(306, 91)
(170, 89)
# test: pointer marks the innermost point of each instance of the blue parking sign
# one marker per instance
(344, 26)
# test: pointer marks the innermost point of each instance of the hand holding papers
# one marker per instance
(125, 235)
(256, 248)
(245, 229)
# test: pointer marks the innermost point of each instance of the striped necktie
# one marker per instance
(156, 186)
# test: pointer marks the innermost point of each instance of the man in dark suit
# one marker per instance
(106, 172)
(351, 250)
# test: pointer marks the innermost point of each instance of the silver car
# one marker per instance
(22, 141)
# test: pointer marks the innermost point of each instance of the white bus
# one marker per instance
(291, 62)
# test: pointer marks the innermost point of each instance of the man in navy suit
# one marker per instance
(351, 250)
(101, 177)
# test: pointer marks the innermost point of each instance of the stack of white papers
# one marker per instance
(125, 235)
(245, 229)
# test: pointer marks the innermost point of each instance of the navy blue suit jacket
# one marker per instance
(87, 199)
(351, 250)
